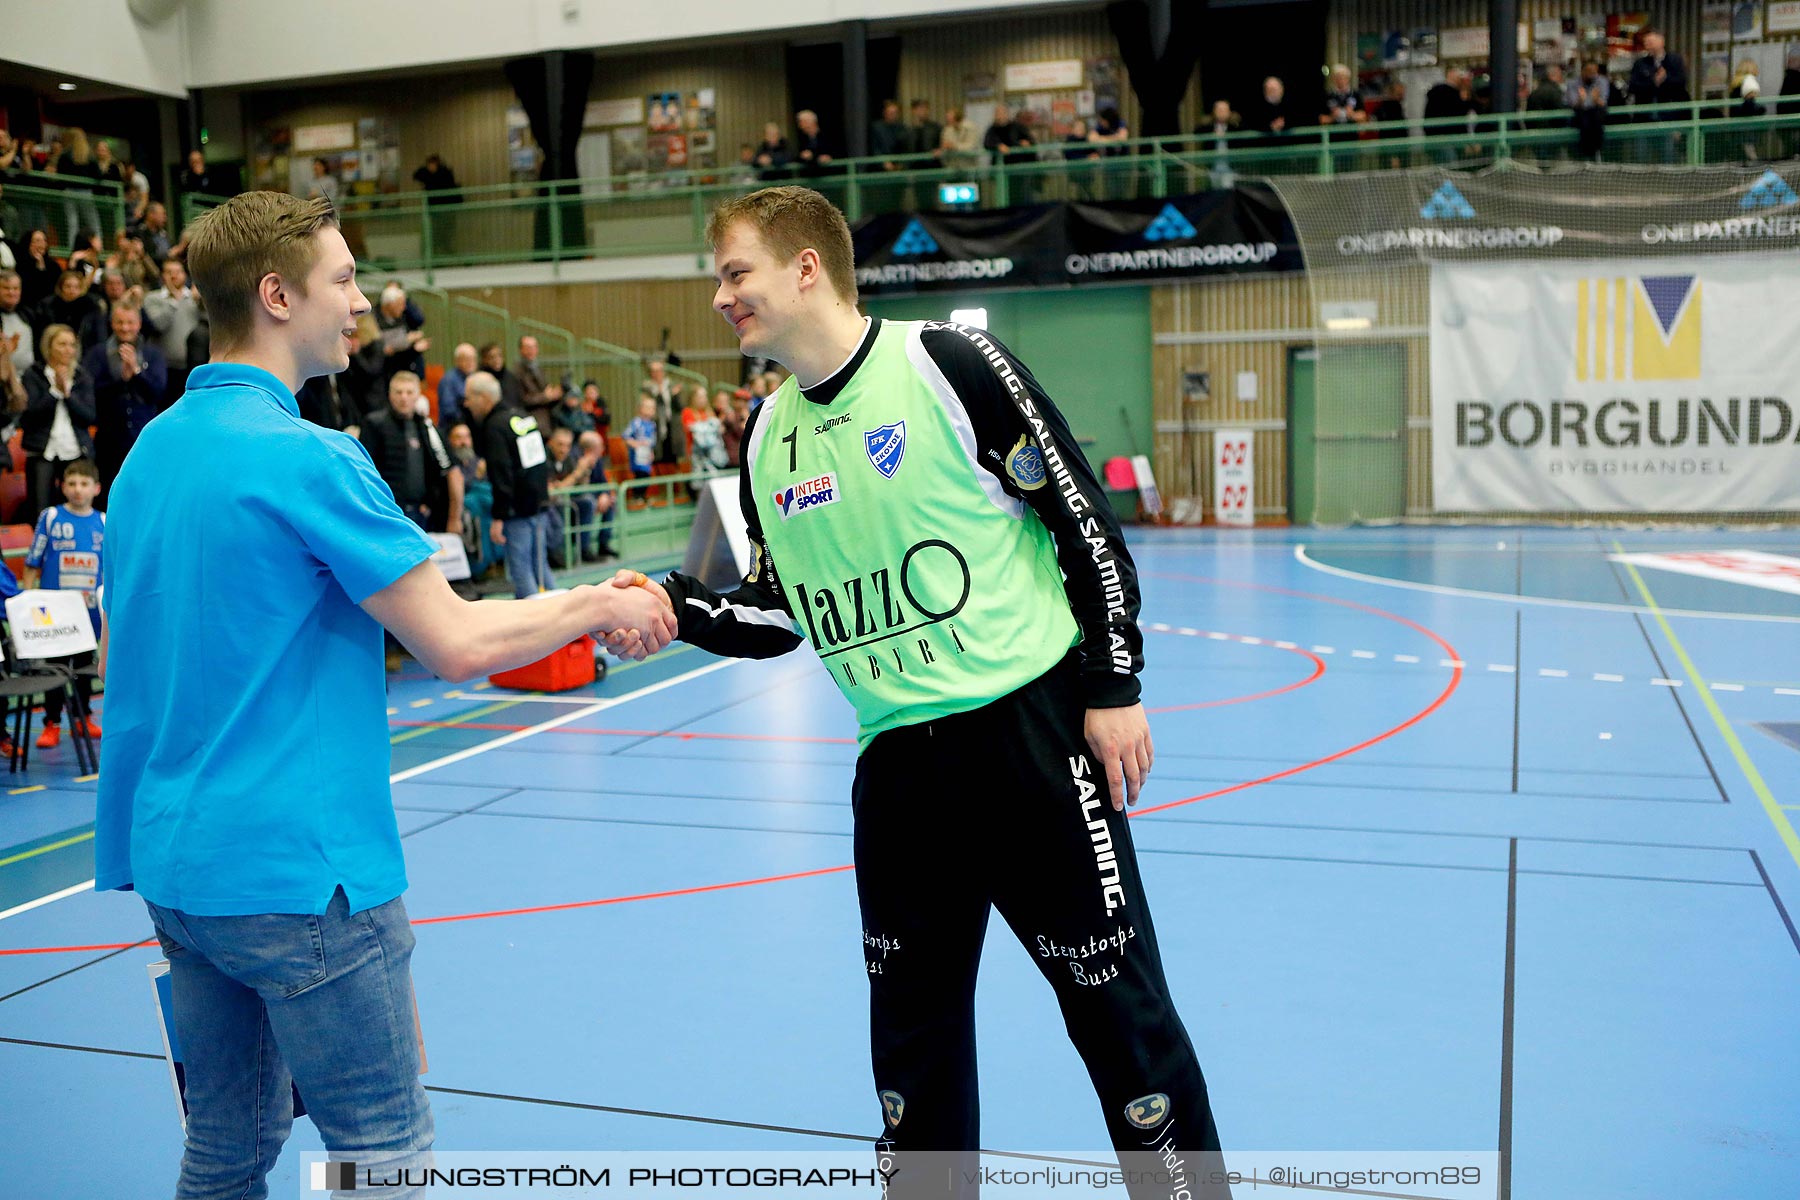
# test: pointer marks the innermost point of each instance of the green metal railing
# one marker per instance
(666, 214)
(649, 517)
(63, 211)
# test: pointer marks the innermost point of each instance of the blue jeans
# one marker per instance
(527, 560)
(584, 516)
(324, 1003)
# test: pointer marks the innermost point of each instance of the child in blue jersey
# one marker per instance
(640, 436)
(65, 555)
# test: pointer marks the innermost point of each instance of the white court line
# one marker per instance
(1552, 673)
(566, 718)
(1439, 589)
(587, 708)
(52, 898)
(1600, 678)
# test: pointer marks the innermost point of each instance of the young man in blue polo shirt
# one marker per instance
(244, 783)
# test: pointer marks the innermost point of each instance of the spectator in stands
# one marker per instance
(1268, 114)
(362, 386)
(705, 436)
(567, 471)
(923, 135)
(1551, 95)
(759, 389)
(80, 172)
(195, 177)
(745, 173)
(1589, 98)
(450, 385)
(478, 498)
(12, 386)
(1005, 137)
(323, 183)
(324, 401)
(131, 380)
(666, 394)
(38, 271)
(12, 227)
(18, 341)
(571, 414)
(59, 407)
(517, 469)
(772, 153)
(65, 556)
(98, 325)
(88, 256)
(595, 404)
(642, 439)
(170, 315)
(731, 421)
(107, 164)
(811, 148)
(403, 341)
(592, 448)
(531, 382)
(1453, 97)
(70, 305)
(153, 232)
(441, 201)
(888, 134)
(128, 259)
(12, 160)
(1342, 105)
(1109, 130)
(960, 141)
(1215, 137)
(493, 361)
(1659, 77)
(1079, 147)
(410, 457)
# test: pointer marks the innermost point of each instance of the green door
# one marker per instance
(1359, 434)
(1302, 410)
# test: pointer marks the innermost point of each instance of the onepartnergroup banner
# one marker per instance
(1164, 1174)
(1616, 386)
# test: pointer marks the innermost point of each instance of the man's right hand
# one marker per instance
(638, 621)
(637, 579)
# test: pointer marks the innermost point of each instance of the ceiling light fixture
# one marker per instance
(65, 87)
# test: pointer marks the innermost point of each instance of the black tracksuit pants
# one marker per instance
(1004, 807)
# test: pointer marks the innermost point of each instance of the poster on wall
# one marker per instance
(1784, 16)
(1657, 385)
(602, 114)
(630, 150)
(979, 87)
(1746, 19)
(1715, 22)
(1715, 72)
(663, 112)
(1409, 48)
(521, 149)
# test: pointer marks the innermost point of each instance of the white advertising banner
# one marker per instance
(1234, 465)
(1616, 386)
(49, 624)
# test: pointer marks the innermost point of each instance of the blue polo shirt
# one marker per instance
(245, 764)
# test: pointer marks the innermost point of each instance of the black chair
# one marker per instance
(24, 684)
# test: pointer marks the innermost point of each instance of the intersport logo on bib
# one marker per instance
(812, 493)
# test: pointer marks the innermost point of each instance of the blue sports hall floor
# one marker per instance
(1471, 839)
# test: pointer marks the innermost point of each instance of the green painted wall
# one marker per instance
(1090, 348)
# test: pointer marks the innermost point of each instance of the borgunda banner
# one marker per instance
(1616, 386)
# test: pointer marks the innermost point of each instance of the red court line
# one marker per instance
(502, 912)
(1456, 674)
(1455, 680)
(679, 735)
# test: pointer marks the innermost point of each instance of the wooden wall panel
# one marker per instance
(935, 58)
(1679, 20)
(1272, 315)
(749, 78)
(631, 314)
(461, 117)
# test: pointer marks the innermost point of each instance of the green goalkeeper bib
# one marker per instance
(925, 588)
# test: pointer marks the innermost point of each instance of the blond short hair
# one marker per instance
(789, 220)
(234, 247)
(403, 377)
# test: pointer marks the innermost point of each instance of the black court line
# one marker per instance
(1663, 672)
(700, 825)
(461, 812)
(1449, 833)
(1424, 866)
(1776, 897)
(450, 1091)
(92, 962)
(1506, 1021)
(1373, 786)
(1518, 641)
